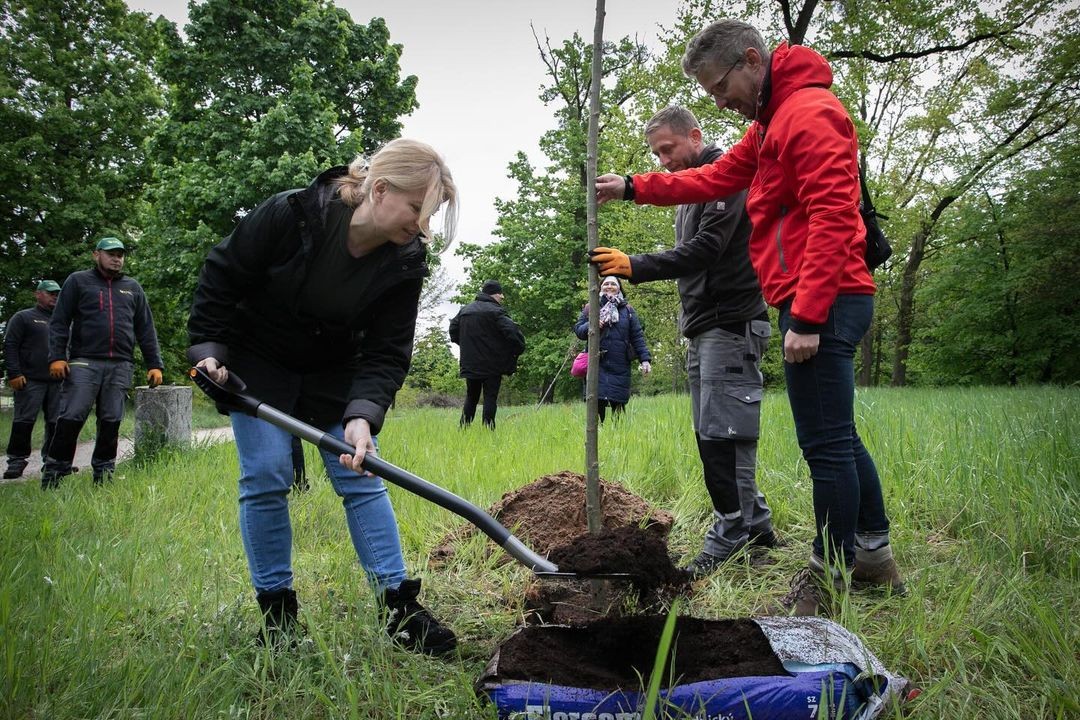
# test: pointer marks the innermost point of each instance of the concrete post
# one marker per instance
(162, 416)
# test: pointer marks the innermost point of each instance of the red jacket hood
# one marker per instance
(793, 68)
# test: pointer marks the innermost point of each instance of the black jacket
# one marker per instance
(490, 341)
(26, 344)
(102, 318)
(711, 260)
(245, 314)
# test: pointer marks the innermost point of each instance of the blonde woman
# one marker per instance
(312, 301)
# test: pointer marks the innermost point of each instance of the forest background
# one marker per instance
(116, 123)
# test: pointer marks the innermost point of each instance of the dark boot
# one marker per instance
(410, 625)
(61, 453)
(761, 546)
(877, 567)
(18, 449)
(50, 480)
(279, 610)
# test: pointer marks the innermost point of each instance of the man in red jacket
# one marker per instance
(799, 159)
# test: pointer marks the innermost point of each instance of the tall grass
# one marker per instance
(133, 601)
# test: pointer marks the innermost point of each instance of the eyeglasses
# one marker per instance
(720, 86)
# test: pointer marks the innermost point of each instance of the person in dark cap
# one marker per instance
(26, 349)
(490, 344)
(99, 318)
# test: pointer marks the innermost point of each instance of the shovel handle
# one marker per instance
(232, 396)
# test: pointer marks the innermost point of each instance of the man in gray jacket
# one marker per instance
(724, 317)
(26, 351)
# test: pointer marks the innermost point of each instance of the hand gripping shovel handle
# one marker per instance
(232, 396)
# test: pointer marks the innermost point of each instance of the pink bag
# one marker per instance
(581, 365)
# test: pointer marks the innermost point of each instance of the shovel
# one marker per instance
(232, 396)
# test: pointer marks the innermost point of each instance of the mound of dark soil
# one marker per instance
(550, 512)
(640, 553)
(618, 653)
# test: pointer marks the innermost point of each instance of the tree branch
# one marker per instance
(999, 35)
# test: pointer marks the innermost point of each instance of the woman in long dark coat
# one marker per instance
(621, 340)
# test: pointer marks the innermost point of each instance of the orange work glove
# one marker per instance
(17, 383)
(610, 261)
(153, 377)
(58, 369)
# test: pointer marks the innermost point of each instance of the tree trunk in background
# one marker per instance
(865, 377)
(905, 317)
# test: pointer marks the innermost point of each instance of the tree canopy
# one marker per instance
(78, 99)
(263, 94)
(945, 112)
(966, 112)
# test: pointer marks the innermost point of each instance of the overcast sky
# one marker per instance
(479, 78)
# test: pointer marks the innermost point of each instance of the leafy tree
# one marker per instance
(262, 96)
(1001, 306)
(78, 101)
(942, 106)
(434, 367)
(541, 256)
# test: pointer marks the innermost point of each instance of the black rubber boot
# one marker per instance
(61, 453)
(410, 625)
(279, 609)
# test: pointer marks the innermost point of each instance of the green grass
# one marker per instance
(133, 601)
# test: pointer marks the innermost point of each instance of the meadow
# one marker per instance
(133, 600)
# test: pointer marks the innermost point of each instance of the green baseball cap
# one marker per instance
(48, 286)
(110, 243)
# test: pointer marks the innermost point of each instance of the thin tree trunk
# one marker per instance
(879, 354)
(592, 461)
(905, 317)
(866, 354)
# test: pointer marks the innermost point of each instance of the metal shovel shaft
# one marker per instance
(414, 484)
(233, 397)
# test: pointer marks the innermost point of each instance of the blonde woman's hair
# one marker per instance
(406, 165)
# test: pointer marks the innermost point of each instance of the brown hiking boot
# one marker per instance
(812, 593)
(877, 567)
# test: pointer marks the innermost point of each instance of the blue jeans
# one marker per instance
(821, 390)
(266, 473)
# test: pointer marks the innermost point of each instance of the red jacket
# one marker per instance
(800, 161)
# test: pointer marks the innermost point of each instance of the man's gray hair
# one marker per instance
(722, 43)
(676, 117)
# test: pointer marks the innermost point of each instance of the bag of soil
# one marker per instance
(773, 667)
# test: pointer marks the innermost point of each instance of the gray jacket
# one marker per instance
(711, 262)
